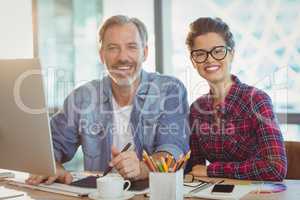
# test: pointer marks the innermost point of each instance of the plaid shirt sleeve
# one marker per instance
(270, 162)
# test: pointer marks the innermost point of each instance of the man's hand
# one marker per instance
(126, 163)
(199, 170)
(62, 176)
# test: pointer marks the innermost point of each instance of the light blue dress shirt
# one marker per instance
(159, 120)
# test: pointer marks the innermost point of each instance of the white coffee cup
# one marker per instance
(112, 186)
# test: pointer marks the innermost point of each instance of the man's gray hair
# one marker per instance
(122, 20)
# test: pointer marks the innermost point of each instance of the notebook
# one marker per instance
(90, 182)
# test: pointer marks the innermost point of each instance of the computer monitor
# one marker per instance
(25, 138)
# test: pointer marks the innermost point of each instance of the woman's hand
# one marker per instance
(199, 170)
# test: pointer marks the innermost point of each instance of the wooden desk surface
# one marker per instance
(292, 192)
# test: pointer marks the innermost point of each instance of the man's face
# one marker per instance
(123, 53)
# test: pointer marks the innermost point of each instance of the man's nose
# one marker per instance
(123, 54)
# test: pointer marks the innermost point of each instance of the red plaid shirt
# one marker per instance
(245, 143)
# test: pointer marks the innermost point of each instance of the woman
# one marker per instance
(233, 126)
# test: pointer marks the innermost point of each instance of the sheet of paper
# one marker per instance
(6, 175)
(9, 193)
(238, 192)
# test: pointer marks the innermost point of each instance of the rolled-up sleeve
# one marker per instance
(64, 131)
(172, 134)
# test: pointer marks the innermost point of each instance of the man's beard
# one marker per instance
(124, 81)
(122, 78)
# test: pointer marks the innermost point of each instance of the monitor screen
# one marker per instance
(25, 138)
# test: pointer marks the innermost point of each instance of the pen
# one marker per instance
(204, 186)
(201, 187)
(109, 168)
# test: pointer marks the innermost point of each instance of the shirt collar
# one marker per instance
(230, 98)
(233, 95)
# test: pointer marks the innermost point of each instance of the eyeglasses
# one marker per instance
(191, 181)
(218, 53)
(197, 184)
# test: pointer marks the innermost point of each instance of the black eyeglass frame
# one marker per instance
(227, 48)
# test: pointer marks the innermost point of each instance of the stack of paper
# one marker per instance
(8, 193)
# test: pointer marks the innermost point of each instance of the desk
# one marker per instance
(292, 192)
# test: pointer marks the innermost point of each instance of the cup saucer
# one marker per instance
(126, 195)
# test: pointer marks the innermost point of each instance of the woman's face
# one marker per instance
(216, 68)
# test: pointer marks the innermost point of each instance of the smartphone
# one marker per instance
(222, 189)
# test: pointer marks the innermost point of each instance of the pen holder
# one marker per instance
(166, 185)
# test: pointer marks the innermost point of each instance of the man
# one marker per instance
(127, 106)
